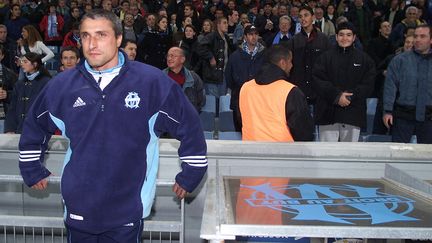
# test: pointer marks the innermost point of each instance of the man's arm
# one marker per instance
(391, 85)
(299, 119)
(37, 130)
(178, 117)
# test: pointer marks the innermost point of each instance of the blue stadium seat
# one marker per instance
(208, 113)
(226, 123)
(371, 104)
(54, 49)
(53, 72)
(376, 138)
(52, 64)
(230, 136)
(208, 135)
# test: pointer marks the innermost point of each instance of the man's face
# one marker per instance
(151, 21)
(128, 20)
(306, 18)
(422, 40)
(134, 10)
(69, 59)
(294, 12)
(16, 11)
(319, 13)
(99, 43)
(282, 10)
(107, 5)
(62, 3)
(219, 13)
(3, 35)
(284, 26)
(345, 38)
(188, 11)
(235, 17)
(411, 15)
(125, 7)
(287, 65)
(267, 9)
(385, 28)
(75, 13)
(358, 3)
(175, 59)
(223, 26)
(251, 38)
(244, 19)
(131, 50)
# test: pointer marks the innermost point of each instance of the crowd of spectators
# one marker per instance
(212, 39)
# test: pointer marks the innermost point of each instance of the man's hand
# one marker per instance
(344, 101)
(41, 185)
(3, 94)
(179, 191)
(388, 120)
(213, 62)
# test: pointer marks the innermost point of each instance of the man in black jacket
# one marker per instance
(306, 46)
(343, 79)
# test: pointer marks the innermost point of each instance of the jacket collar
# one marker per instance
(270, 73)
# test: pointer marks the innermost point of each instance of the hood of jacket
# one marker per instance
(270, 73)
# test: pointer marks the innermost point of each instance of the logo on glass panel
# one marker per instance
(343, 204)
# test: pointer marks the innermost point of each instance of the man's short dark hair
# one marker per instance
(425, 26)
(231, 12)
(126, 41)
(70, 48)
(276, 53)
(108, 15)
(307, 8)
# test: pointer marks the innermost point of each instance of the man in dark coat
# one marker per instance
(242, 66)
(343, 79)
(306, 46)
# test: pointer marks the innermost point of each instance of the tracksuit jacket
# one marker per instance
(110, 168)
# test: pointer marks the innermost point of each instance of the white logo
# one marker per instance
(357, 64)
(132, 100)
(76, 217)
(79, 102)
(129, 225)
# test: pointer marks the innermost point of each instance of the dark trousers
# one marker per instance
(403, 130)
(124, 234)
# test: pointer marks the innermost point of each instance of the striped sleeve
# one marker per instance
(196, 161)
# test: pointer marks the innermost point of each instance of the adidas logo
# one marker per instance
(79, 102)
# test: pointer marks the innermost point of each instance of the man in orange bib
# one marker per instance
(273, 109)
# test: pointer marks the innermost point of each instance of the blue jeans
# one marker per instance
(216, 90)
(403, 130)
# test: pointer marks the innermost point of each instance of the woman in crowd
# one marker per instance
(154, 48)
(31, 41)
(189, 44)
(25, 91)
(207, 27)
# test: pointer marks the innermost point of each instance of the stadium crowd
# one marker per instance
(342, 54)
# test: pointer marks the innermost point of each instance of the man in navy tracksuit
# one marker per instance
(112, 111)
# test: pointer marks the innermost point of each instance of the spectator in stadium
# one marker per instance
(25, 91)
(331, 14)
(139, 20)
(130, 48)
(69, 57)
(267, 23)
(233, 20)
(153, 49)
(32, 42)
(283, 35)
(52, 27)
(343, 78)
(72, 38)
(188, 11)
(128, 28)
(207, 28)
(7, 81)
(324, 25)
(214, 50)
(189, 45)
(124, 9)
(127, 156)
(75, 18)
(10, 48)
(273, 109)
(360, 15)
(407, 100)
(107, 5)
(243, 64)
(332, 39)
(306, 47)
(63, 9)
(15, 22)
(238, 32)
(411, 20)
(190, 82)
(393, 13)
